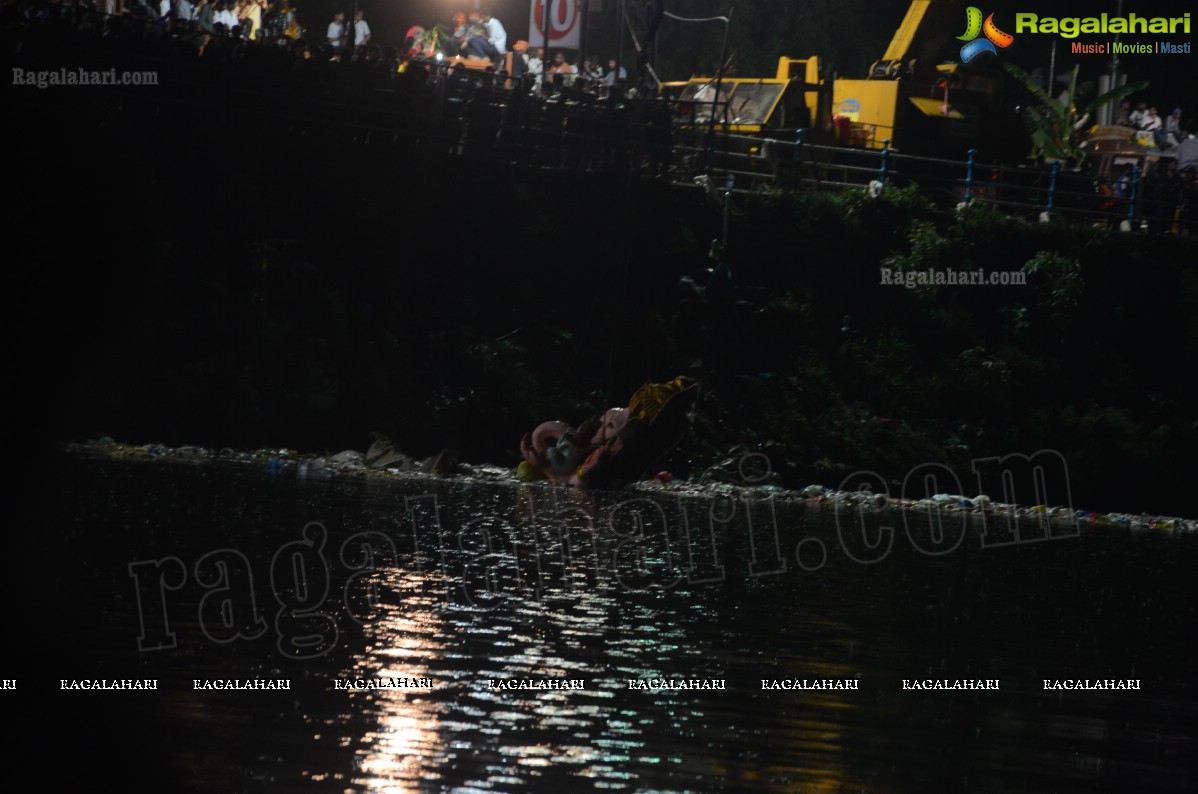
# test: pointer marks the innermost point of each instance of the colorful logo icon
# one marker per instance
(973, 28)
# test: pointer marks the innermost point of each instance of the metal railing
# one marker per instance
(1036, 191)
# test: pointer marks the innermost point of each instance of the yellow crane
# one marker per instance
(911, 97)
(916, 99)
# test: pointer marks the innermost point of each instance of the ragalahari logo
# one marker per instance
(973, 28)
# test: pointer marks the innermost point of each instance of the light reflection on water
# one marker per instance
(405, 748)
(480, 581)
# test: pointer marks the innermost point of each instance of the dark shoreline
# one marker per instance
(348, 465)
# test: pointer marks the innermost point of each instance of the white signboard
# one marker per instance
(565, 23)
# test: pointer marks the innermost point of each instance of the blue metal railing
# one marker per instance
(1029, 190)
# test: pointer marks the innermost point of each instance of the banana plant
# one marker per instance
(1057, 128)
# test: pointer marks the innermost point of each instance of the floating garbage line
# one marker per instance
(445, 467)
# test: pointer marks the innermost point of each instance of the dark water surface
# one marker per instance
(178, 572)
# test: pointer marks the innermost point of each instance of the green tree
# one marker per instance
(1056, 126)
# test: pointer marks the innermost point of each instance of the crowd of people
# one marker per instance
(553, 117)
(480, 36)
(1166, 132)
(1167, 197)
(249, 19)
(222, 27)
